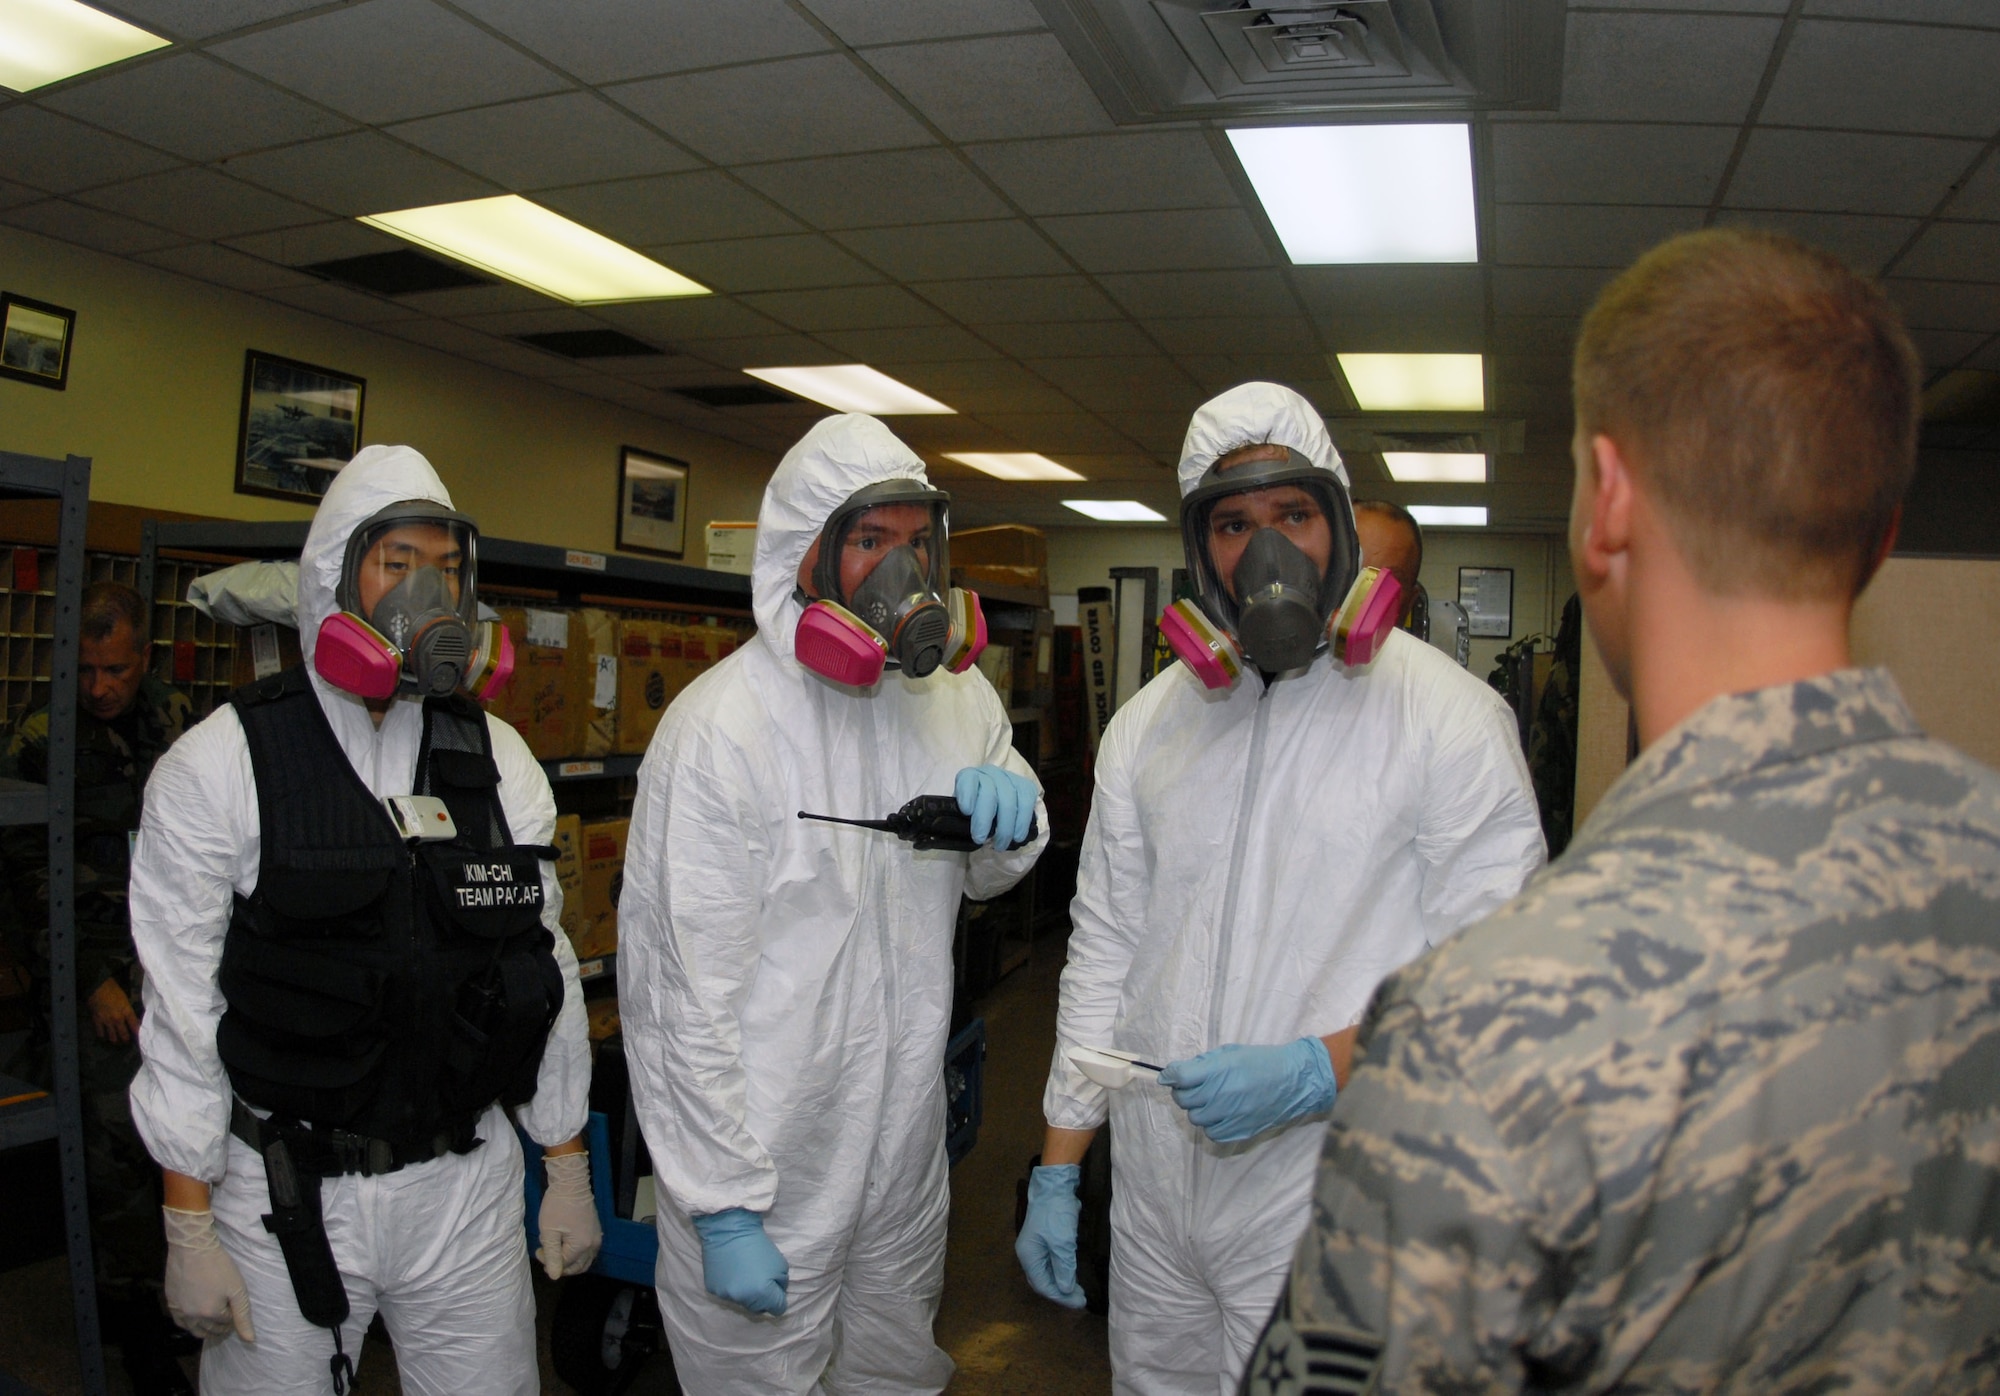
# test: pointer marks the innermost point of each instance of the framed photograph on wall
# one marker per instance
(34, 341)
(652, 503)
(301, 423)
(1487, 594)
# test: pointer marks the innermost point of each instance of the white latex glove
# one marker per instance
(568, 1221)
(205, 1291)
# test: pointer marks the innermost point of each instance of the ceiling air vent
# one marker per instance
(737, 395)
(399, 273)
(591, 344)
(1449, 432)
(1161, 60)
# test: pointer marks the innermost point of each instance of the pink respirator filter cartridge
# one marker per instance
(836, 644)
(1366, 618)
(353, 656)
(1200, 644)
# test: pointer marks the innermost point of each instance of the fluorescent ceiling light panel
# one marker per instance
(1435, 467)
(1449, 515)
(1349, 194)
(1416, 382)
(1115, 510)
(527, 244)
(45, 41)
(1013, 465)
(854, 388)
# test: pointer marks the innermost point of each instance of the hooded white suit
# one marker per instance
(785, 987)
(1258, 859)
(439, 1248)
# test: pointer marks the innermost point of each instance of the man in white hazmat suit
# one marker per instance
(338, 1003)
(1263, 848)
(785, 985)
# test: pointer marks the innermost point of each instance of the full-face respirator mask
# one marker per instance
(903, 614)
(1277, 608)
(422, 636)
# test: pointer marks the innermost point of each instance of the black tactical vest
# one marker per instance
(387, 988)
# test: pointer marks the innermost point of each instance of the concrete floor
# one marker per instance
(1003, 1337)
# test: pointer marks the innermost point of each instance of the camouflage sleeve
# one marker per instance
(1422, 1269)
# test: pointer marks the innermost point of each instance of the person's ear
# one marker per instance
(1882, 550)
(1607, 533)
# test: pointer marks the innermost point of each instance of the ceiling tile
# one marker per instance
(694, 207)
(667, 371)
(203, 19)
(358, 173)
(1533, 337)
(1019, 300)
(1661, 67)
(195, 107)
(863, 191)
(1109, 174)
(694, 317)
(1844, 172)
(1219, 372)
(1980, 198)
(849, 308)
(12, 194)
(1161, 432)
(207, 261)
(1946, 348)
(1337, 294)
(956, 250)
(1032, 396)
(1168, 241)
(612, 40)
(46, 151)
(356, 307)
(1173, 295)
(1387, 332)
(89, 227)
(861, 22)
(1575, 163)
(1978, 13)
(767, 264)
(1948, 305)
(1134, 384)
(1955, 252)
(462, 301)
(201, 203)
(1547, 290)
(1863, 242)
(916, 344)
(385, 60)
(1888, 77)
(1583, 235)
(1239, 334)
(964, 379)
(821, 105)
(1057, 431)
(1071, 339)
(569, 138)
(1987, 357)
(767, 351)
(994, 89)
(542, 319)
(317, 242)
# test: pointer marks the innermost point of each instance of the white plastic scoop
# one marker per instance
(1111, 1068)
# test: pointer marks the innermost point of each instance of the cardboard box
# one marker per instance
(1003, 545)
(598, 713)
(603, 881)
(1020, 585)
(703, 647)
(569, 872)
(552, 673)
(732, 547)
(263, 650)
(651, 672)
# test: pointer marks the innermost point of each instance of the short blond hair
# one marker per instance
(1768, 396)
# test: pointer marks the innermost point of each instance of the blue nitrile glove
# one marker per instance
(1046, 1246)
(1234, 1092)
(739, 1263)
(1000, 804)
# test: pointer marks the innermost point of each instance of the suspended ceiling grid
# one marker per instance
(931, 187)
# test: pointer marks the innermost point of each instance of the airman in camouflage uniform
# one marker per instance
(1714, 1104)
(113, 760)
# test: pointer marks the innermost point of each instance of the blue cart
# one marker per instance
(607, 1323)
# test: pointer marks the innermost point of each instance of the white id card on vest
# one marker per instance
(421, 817)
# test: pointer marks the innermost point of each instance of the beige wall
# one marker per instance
(1084, 557)
(156, 383)
(1542, 580)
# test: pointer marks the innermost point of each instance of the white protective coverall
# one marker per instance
(439, 1248)
(1258, 859)
(785, 987)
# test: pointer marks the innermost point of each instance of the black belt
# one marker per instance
(329, 1153)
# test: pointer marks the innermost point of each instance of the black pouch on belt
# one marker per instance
(295, 1219)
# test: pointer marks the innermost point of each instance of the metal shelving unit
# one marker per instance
(31, 1116)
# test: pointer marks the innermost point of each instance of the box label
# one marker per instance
(549, 629)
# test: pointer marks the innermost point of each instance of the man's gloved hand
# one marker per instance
(570, 1230)
(1046, 1246)
(1234, 1092)
(205, 1293)
(1000, 804)
(739, 1263)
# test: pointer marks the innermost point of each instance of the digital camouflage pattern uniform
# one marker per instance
(1714, 1105)
(113, 761)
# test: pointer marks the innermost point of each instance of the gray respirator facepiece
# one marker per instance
(1281, 603)
(426, 554)
(904, 597)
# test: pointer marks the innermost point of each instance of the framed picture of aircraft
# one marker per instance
(301, 423)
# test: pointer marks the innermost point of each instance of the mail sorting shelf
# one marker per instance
(27, 1115)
